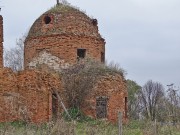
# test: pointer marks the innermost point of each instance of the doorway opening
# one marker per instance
(126, 107)
(54, 106)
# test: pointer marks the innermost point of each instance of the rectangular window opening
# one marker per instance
(81, 53)
(101, 107)
(102, 57)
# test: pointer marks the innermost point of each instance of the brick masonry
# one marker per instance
(52, 42)
(27, 95)
(1, 41)
(68, 30)
(112, 87)
(8, 95)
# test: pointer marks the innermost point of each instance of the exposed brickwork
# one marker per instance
(27, 95)
(1, 41)
(8, 95)
(37, 89)
(52, 43)
(64, 48)
(68, 30)
(114, 88)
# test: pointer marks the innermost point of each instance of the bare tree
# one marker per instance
(14, 58)
(151, 94)
(173, 106)
(77, 84)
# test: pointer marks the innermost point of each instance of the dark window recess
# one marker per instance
(81, 53)
(101, 107)
(47, 19)
(54, 106)
(94, 22)
(126, 109)
(102, 57)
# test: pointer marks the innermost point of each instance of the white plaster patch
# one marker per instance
(50, 60)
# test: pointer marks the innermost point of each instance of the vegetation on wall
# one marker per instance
(64, 7)
(80, 78)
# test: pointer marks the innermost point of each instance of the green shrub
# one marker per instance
(75, 114)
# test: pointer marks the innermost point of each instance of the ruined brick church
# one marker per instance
(60, 37)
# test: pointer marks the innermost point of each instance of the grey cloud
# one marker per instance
(141, 35)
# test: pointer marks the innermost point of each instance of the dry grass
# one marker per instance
(92, 127)
(59, 128)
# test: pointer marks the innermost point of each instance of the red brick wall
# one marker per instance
(64, 47)
(114, 88)
(1, 41)
(8, 95)
(68, 30)
(36, 88)
(27, 95)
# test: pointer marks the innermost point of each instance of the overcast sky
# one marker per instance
(142, 36)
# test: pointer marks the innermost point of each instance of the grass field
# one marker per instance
(93, 127)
